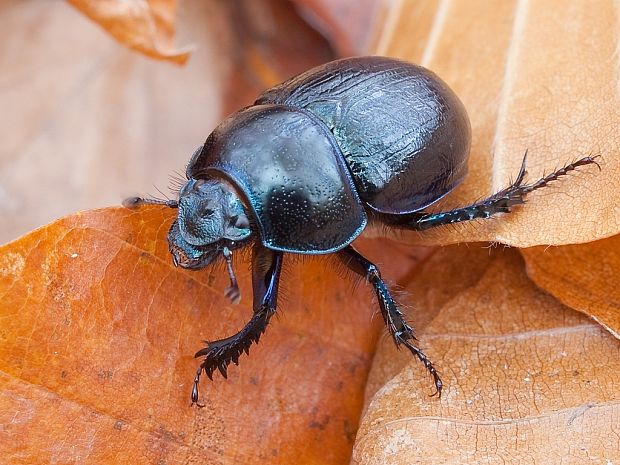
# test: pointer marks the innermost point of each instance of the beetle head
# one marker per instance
(211, 218)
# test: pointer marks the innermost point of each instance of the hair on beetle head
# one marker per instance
(176, 182)
(135, 202)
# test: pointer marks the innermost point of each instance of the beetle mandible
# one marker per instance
(306, 167)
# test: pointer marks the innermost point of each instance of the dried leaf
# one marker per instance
(539, 76)
(350, 25)
(585, 277)
(97, 340)
(266, 39)
(528, 380)
(144, 25)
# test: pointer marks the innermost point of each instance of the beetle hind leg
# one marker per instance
(399, 329)
(219, 354)
(501, 202)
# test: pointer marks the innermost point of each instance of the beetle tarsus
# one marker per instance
(399, 329)
(232, 292)
(501, 202)
(425, 360)
(195, 389)
(545, 180)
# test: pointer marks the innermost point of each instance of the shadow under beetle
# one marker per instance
(305, 169)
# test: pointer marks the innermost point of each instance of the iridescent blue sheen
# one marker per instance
(292, 174)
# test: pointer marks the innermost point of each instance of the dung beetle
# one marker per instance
(309, 165)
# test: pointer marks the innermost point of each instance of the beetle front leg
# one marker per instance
(501, 202)
(266, 268)
(395, 321)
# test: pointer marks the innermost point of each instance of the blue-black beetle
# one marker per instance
(305, 169)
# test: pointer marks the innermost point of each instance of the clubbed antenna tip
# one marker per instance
(135, 202)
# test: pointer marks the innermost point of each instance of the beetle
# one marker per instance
(309, 165)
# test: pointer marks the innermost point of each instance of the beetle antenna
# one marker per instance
(232, 291)
(135, 202)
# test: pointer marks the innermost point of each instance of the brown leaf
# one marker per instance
(539, 76)
(585, 277)
(96, 353)
(144, 25)
(350, 25)
(266, 40)
(528, 380)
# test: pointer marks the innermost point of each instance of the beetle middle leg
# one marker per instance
(501, 202)
(395, 321)
(266, 268)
